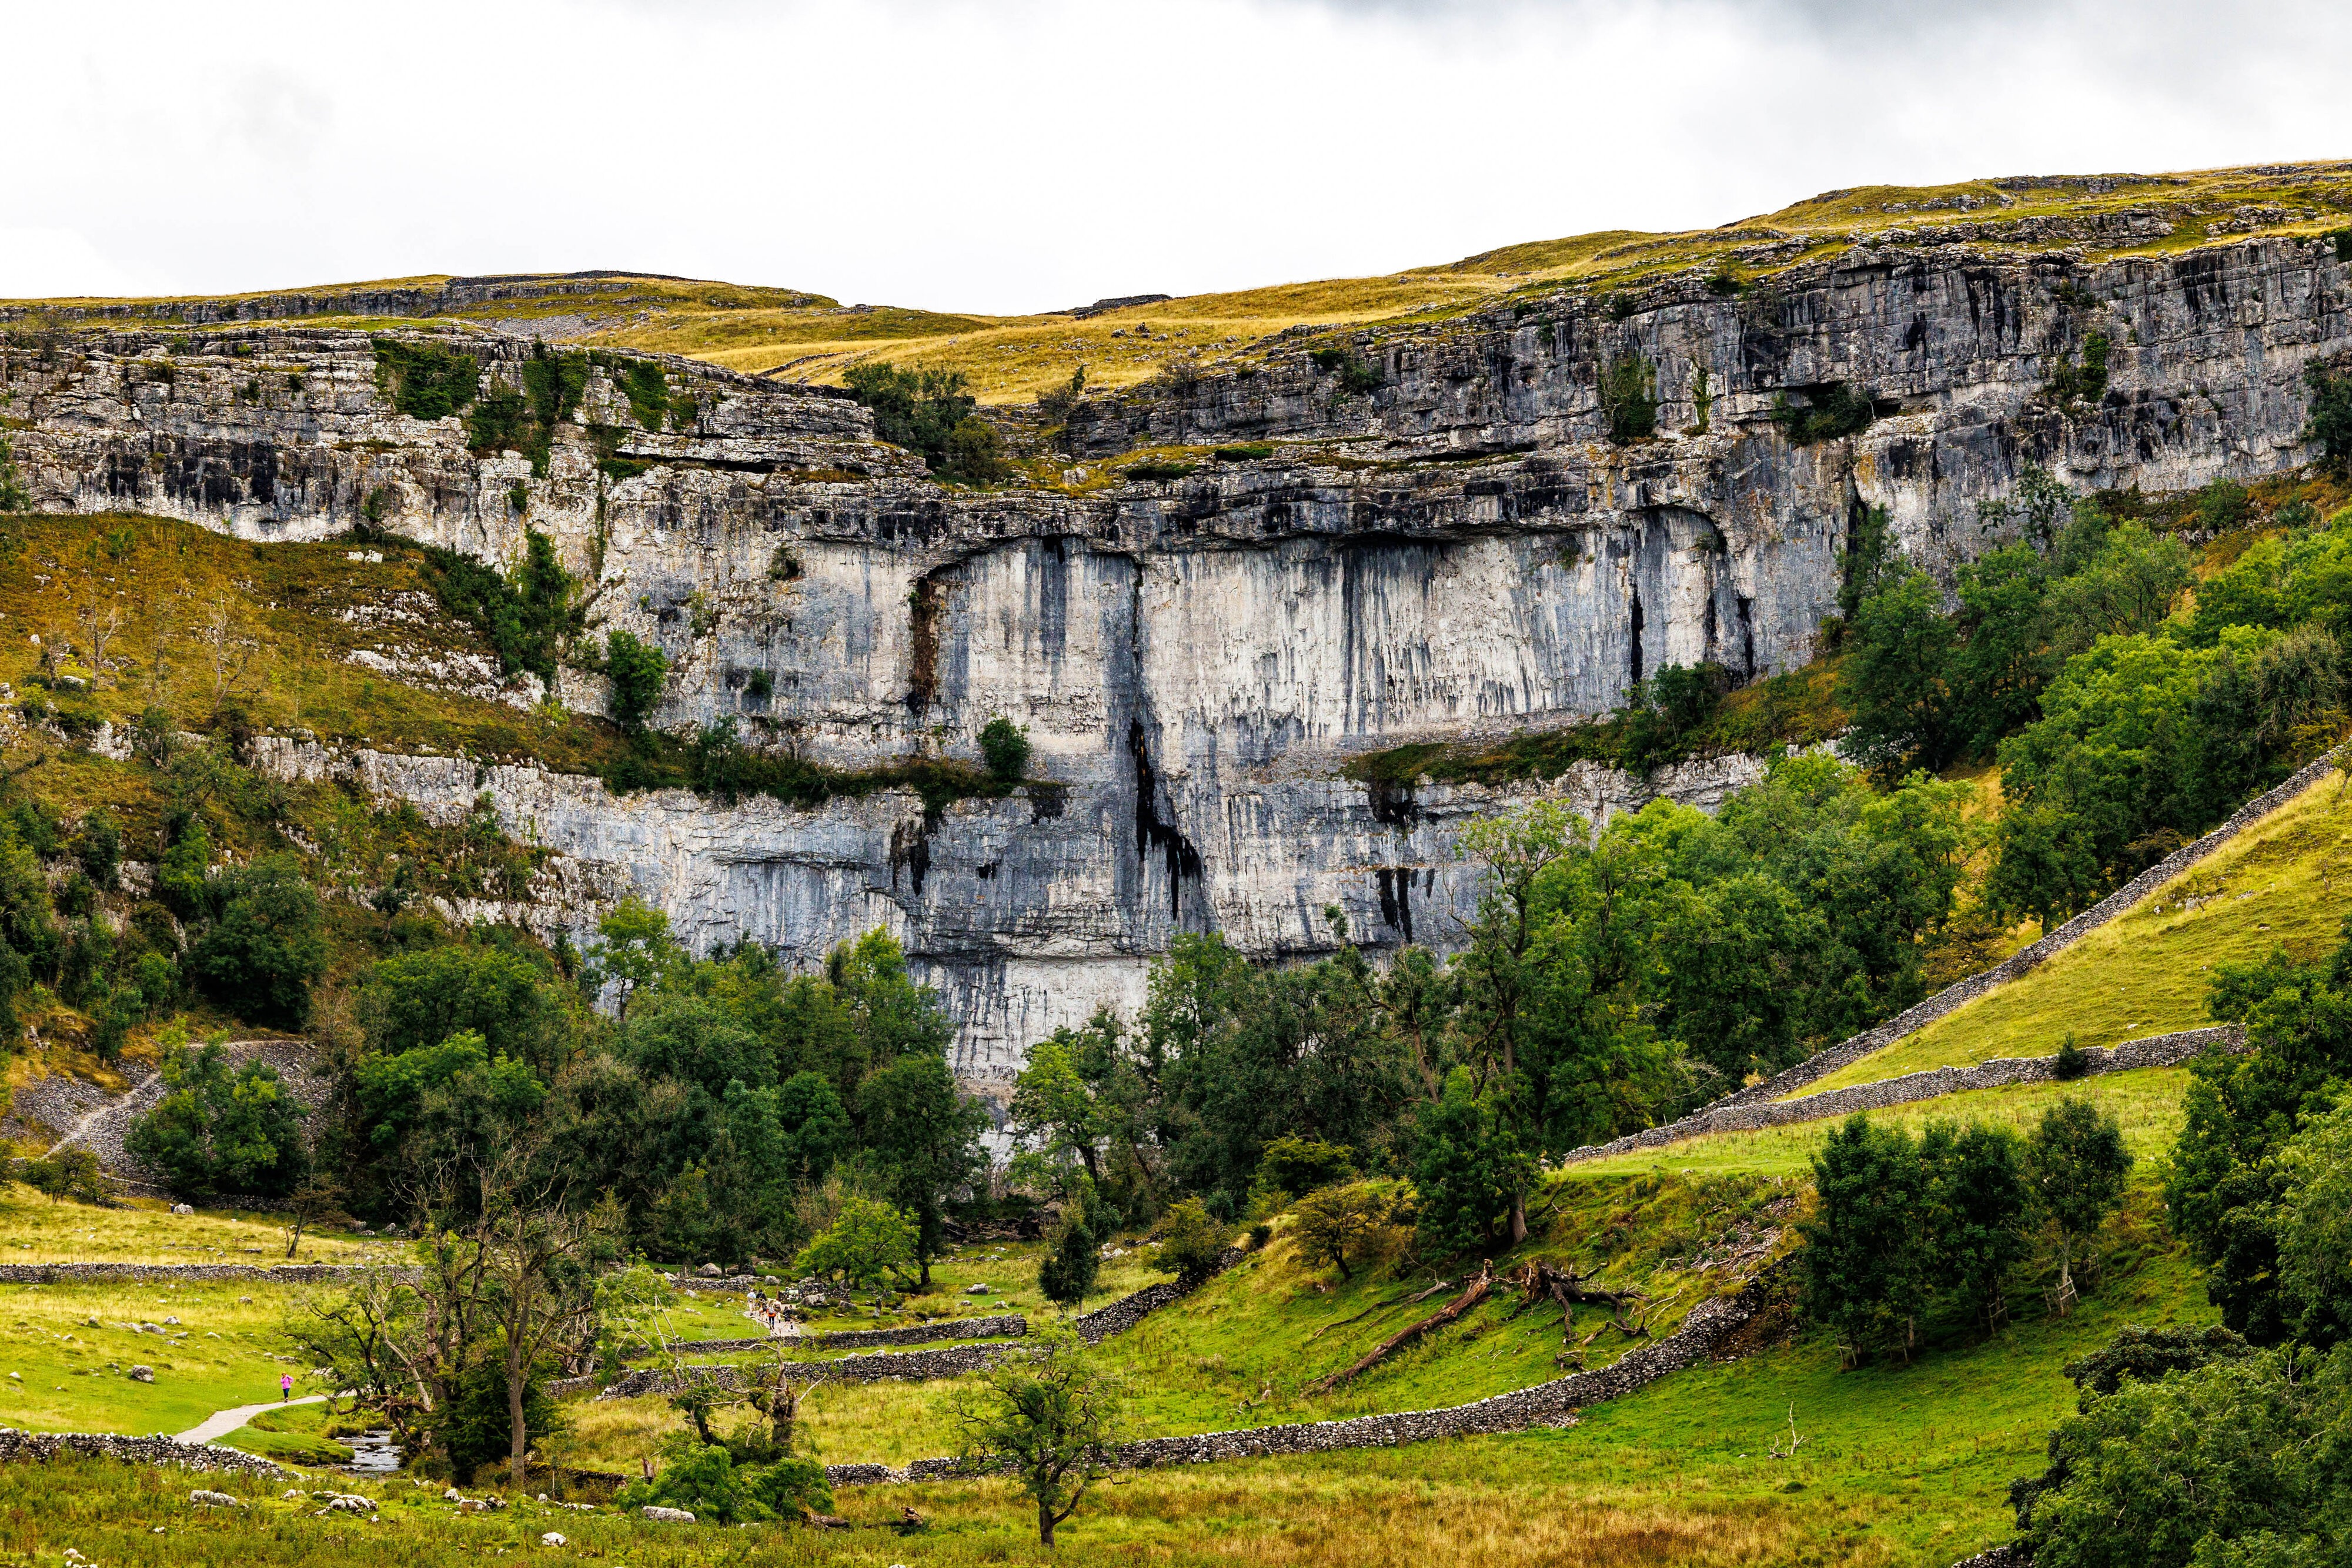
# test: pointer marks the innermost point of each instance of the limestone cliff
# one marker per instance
(1456, 550)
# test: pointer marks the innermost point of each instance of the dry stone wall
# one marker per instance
(1702, 1337)
(1005, 1325)
(1823, 1063)
(205, 1273)
(42, 1446)
(2157, 1050)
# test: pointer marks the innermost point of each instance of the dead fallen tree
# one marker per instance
(1479, 1290)
(1539, 1282)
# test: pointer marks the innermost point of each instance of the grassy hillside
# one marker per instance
(810, 337)
(2146, 973)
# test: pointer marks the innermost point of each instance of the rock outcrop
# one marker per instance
(1455, 551)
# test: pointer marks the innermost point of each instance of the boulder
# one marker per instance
(142, 1373)
(666, 1515)
(550, 1538)
(204, 1498)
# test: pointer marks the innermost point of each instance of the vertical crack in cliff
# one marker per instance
(1396, 899)
(923, 644)
(1634, 585)
(1150, 833)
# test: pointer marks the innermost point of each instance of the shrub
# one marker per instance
(1259, 1235)
(975, 454)
(1153, 470)
(2084, 382)
(425, 381)
(1629, 399)
(14, 496)
(526, 617)
(1292, 1165)
(1191, 1242)
(706, 1481)
(1006, 746)
(783, 566)
(1830, 412)
(2223, 506)
(638, 671)
(2072, 1061)
(1338, 1221)
(1067, 1272)
(1249, 452)
(760, 685)
(68, 1173)
(919, 409)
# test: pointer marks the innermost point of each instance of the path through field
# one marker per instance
(221, 1423)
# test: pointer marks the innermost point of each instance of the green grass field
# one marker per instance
(2147, 972)
(69, 1376)
(145, 1230)
(2147, 1102)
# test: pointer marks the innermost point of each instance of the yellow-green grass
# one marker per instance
(1012, 358)
(295, 1435)
(1243, 1350)
(1008, 1269)
(72, 1377)
(32, 1229)
(1902, 1466)
(173, 581)
(2147, 972)
(2147, 1102)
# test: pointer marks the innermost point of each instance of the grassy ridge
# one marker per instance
(2147, 972)
(1012, 358)
(2147, 1102)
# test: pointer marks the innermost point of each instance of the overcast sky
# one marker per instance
(1028, 154)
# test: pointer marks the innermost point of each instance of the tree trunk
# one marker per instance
(1045, 1525)
(1519, 1216)
(518, 1435)
(290, 1246)
(1478, 1292)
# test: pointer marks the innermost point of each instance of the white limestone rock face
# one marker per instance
(1458, 556)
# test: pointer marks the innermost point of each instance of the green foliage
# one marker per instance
(2228, 1183)
(1191, 1242)
(1666, 709)
(528, 617)
(2238, 1463)
(868, 1240)
(1628, 392)
(1330, 1223)
(2071, 1062)
(260, 957)
(1065, 1274)
(1154, 470)
(2071, 382)
(975, 454)
(512, 1002)
(929, 412)
(218, 1131)
(923, 1134)
(2330, 419)
(68, 1173)
(1466, 1169)
(2077, 1163)
(1867, 1265)
(14, 496)
(1251, 452)
(526, 421)
(477, 1428)
(1830, 413)
(425, 381)
(1005, 747)
(1899, 1221)
(1293, 1166)
(1046, 1412)
(638, 672)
